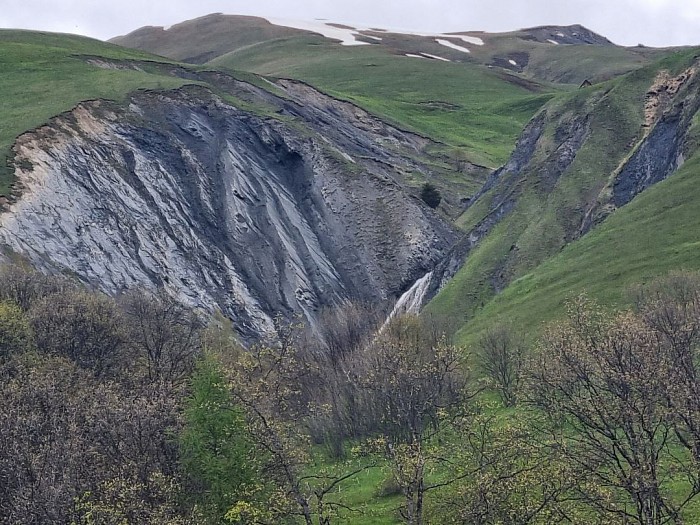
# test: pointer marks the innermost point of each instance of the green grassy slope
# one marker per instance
(44, 74)
(566, 64)
(474, 109)
(543, 222)
(477, 104)
(199, 40)
(574, 64)
(657, 232)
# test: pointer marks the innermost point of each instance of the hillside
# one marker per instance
(45, 74)
(577, 171)
(490, 84)
(203, 39)
(564, 175)
(210, 229)
(233, 197)
(574, 53)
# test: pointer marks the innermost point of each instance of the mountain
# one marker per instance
(580, 165)
(561, 54)
(200, 40)
(261, 173)
(253, 202)
(262, 169)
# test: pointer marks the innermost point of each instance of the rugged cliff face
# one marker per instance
(226, 208)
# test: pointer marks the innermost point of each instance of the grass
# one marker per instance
(204, 38)
(471, 109)
(547, 213)
(569, 64)
(477, 109)
(361, 493)
(654, 234)
(466, 106)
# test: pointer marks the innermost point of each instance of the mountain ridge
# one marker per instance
(360, 141)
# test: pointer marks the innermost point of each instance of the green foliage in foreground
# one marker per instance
(245, 438)
(45, 74)
(216, 456)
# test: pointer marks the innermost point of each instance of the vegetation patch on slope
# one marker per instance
(550, 196)
(467, 107)
(654, 234)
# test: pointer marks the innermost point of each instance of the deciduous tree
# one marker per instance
(500, 355)
(601, 382)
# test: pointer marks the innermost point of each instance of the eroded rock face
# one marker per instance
(670, 107)
(227, 210)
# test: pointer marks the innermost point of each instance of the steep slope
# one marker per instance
(472, 91)
(226, 208)
(655, 234)
(579, 160)
(474, 111)
(44, 74)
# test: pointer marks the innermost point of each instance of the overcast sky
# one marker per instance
(626, 22)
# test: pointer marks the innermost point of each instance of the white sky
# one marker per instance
(625, 22)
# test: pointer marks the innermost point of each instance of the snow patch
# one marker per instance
(553, 41)
(469, 39)
(449, 44)
(347, 36)
(464, 38)
(561, 35)
(436, 57)
(512, 62)
(414, 56)
(373, 37)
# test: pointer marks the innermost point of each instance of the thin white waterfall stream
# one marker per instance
(411, 301)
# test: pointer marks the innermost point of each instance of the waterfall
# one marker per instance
(412, 300)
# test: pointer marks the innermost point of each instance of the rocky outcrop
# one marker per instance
(227, 209)
(670, 107)
(572, 35)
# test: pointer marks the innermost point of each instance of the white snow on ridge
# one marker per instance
(469, 39)
(553, 41)
(512, 62)
(347, 37)
(447, 43)
(415, 56)
(436, 57)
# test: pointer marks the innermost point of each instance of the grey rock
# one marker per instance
(226, 209)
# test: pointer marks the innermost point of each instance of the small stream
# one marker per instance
(412, 300)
